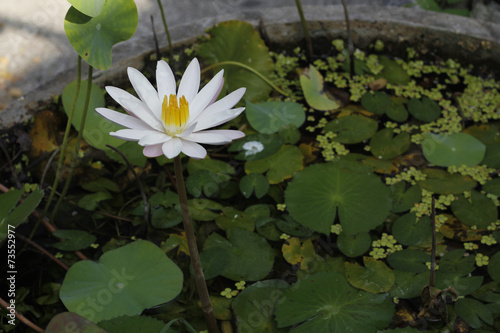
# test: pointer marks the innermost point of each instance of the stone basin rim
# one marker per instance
(397, 23)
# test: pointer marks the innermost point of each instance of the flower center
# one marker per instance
(175, 114)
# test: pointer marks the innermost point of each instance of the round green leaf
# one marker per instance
(249, 256)
(88, 7)
(254, 306)
(238, 41)
(311, 82)
(354, 245)
(375, 277)
(494, 267)
(266, 227)
(254, 182)
(93, 37)
(393, 72)
(73, 240)
(464, 285)
(125, 281)
(385, 146)
(455, 149)
(163, 218)
(492, 156)
(425, 109)
(269, 117)
(408, 260)
(352, 128)
(408, 230)
(492, 186)
(280, 166)
(404, 199)
(409, 285)
(479, 210)
(376, 102)
(397, 111)
(97, 128)
(473, 312)
(315, 194)
(256, 146)
(290, 227)
(325, 302)
(442, 182)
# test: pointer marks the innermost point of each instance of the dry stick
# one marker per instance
(170, 48)
(45, 222)
(47, 166)
(41, 249)
(22, 318)
(143, 193)
(350, 43)
(199, 277)
(432, 281)
(306, 30)
(12, 170)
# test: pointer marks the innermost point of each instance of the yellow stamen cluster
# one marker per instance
(175, 114)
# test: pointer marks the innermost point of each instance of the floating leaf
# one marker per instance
(397, 111)
(376, 102)
(238, 41)
(90, 201)
(375, 277)
(404, 199)
(352, 128)
(494, 267)
(290, 227)
(408, 230)
(425, 109)
(294, 252)
(125, 281)
(486, 133)
(473, 312)
(492, 156)
(250, 258)
(325, 302)
(90, 8)
(442, 182)
(492, 186)
(311, 82)
(266, 227)
(408, 260)
(62, 321)
(408, 284)
(315, 194)
(93, 37)
(256, 146)
(269, 117)
(254, 182)
(393, 72)
(254, 306)
(384, 145)
(231, 217)
(456, 149)
(134, 324)
(479, 210)
(73, 240)
(163, 218)
(204, 182)
(354, 245)
(279, 166)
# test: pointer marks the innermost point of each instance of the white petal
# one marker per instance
(154, 139)
(194, 150)
(123, 119)
(172, 148)
(135, 106)
(165, 80)
(232, 134)
(147, 93)
(215, 119)
(208, 138)
(217, 93)
(206, 95)
(153, 151)
(190, 82)
(226, 102)
(130, 134)
(188, 130)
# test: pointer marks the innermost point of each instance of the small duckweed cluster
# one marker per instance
(470, 246)
(479, 173)
(336, 229)
(412, 176)
(284, 65)
(480, 100)
(488, 240)
(331, 148)
(424, 207)
(428, 264)
(482, 260)
(229, 293)
(384, 246)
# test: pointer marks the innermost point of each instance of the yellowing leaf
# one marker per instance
(294, 253)
(280, 166)
(176, 240)
(311, 82)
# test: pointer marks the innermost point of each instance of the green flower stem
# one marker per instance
(350, 43)
(170, 48)
(236, 63)
(78, 142)
(199, 277)
(306, 29)
(63, 147)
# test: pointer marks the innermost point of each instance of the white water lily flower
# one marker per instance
(169, 121)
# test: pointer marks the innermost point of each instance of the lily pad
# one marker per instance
(408, 230)
(250, 258)
(473, 312)
(409, 285)
(375, 277)
(377, 102)
(384, 145)
(492, 186)
(256, 146)
(393, 72)
(280, 166)
(494, 267)
(325, 302)
(404, 199)
(479, 210)
(125, 281)
(238, 41)
(254, 182)
(354, 245)
(311, 82)
(397, 111)
(291, 227)
(492, 156)
(93, 37)
(294, 252)
(269, 117)
(315, 194)
(97, 129)
(456, 149)
(424, 109)
(442, 182)
(90, 8)
(73, 240)
(254, 306)
(412, 261)
(352, 128)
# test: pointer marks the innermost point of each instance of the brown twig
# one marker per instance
(21, 317)
(41, 249)
(12, 170)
